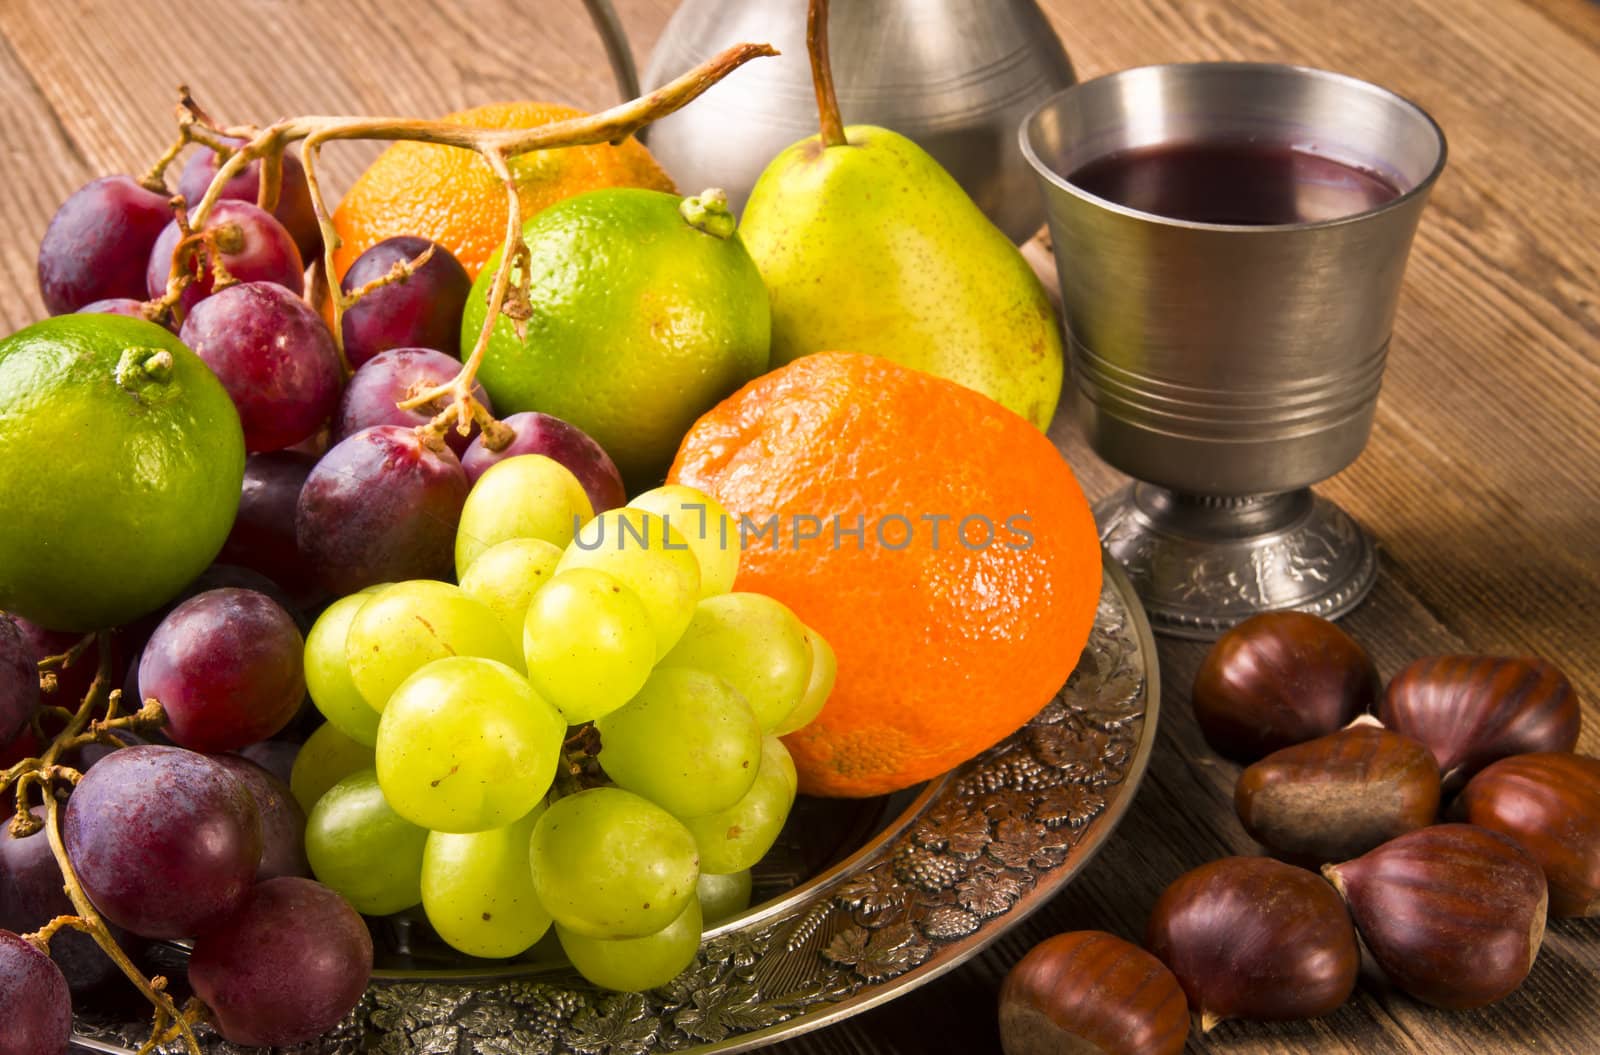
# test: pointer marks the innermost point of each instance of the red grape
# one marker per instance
(284, 969)
(71, 682)
(32, 894)
(381, 506)
(423, 311)
(262, 538)
(35, 1006)
(86, 756)
(283, 822)
(221, 576)
(390, 377)
(538, 433)
(133, 309)
(275, 357)
(19, 681)
(254, 248)
(275, 756)
(294, 209)
(98, 243)
(229, 667)
(165, 841)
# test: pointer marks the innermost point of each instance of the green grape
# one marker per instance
(824, 669)
(723, 896)
(411, 624)
(609, 864)
(647, 556)
(705, 525)
(362, 849)
(753, 643)
(466, 745)
(477, 890)
(631, 965)
(505, 578)
(328, 673)
(588, 644)
(739, 836)
(528, 496)
(686, 742)
(327, 757)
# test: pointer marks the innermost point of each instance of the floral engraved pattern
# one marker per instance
(1023, 844)
(1323, 566)
(872, 891)
(1073, 805)
(1001, 832)
(955, 829)
(879, 954)
(991, 892)
(927, 870)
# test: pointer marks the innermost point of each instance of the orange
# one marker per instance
(950, 634)
(451, 196)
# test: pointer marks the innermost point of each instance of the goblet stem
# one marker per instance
(1203, 563)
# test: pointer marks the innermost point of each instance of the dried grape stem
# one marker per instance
(95, 927)
(496, 146)
(66, 659)
(402, 270)
(40, 939)
(45, 771)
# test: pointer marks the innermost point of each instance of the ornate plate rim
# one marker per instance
(940, 959)
(954, 954)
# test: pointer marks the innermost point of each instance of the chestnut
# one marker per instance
(1453, 914)
(1089, 991)
(1279, 679)
(1250, 937)
(1338, 796)
(1473, 710)
(1550, 804)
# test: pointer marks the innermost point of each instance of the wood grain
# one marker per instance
(1482, 480)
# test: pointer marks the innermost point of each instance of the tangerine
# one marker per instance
(938, 540)
(452, 196)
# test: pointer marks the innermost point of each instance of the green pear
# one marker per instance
(867, 245)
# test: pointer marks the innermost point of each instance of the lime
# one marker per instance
(646, 311)
(121, 461)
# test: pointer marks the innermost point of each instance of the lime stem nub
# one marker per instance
(139, 367)
(708, 211)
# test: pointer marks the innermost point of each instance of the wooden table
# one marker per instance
(1482, 478)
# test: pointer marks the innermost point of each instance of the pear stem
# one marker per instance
(822, 74)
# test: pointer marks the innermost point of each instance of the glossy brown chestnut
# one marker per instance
(1278, 679)
(1250, 937)
(1091, 992)
(1453, 914)
(1474, 710)
(1338, 796)
(1550, 804)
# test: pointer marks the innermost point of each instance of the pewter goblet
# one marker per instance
(1229, 367)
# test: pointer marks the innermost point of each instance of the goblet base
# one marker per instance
(1203, 563)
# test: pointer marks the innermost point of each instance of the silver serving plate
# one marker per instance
(942, 872)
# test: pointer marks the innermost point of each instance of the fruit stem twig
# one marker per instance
(40, 939)
(496, 146)
(63, 660)
(46, 771)
(402, 270)
(822, 74)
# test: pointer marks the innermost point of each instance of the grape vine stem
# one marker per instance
(46, 771)
(496, 146)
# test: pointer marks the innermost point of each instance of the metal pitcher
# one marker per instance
(957, 76)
